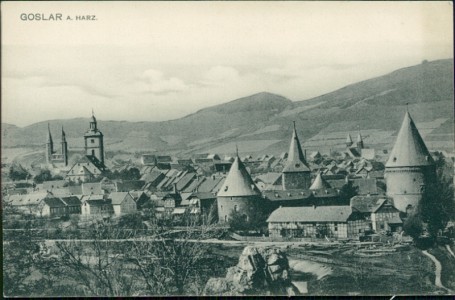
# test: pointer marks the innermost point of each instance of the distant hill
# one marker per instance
(262, 122)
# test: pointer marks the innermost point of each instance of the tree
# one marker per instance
(348, 191)
(413, 226)
(44, 175)
(437, 206)
(18, 260)
(255, 220)
(18, 173)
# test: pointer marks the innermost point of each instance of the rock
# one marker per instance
(260, 271)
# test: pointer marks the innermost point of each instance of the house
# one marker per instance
(31, 203)
(269, 181)
(91, 188)
(96, 205)
(148, 160)
(368, 153)
(54, 184)
(202, 201)
(73, 205)
(378, 211)
(366, 186)
(140, 197)
(53, 207)
(122, 203)
(222, 166)
(107, 185)
(129, 185)
(315, 222)
(86, 169)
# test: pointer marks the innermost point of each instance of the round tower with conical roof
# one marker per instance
(238, 192)
(410, 167)
(296, 173)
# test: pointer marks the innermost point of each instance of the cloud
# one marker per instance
(220, 75)
(153, 81)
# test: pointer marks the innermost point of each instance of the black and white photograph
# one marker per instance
(227, 148)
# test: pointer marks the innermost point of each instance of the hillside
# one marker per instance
(262, 122)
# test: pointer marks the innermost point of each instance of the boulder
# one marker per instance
(260, 271)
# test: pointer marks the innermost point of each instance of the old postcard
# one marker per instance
(227, 148)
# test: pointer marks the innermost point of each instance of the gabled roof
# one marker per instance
(367, 204)
(311, 214)
(409, 149)
(319, 183)
(296, 161)
(118, 197)
(238, 182)
(269, 178)
(91, 188)
(54, 202)
(71, 201)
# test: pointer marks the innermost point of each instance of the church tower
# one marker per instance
(49, 145)
(296, 173)
(238, 193)
(64, 148)
(94, 141)
(410, 167)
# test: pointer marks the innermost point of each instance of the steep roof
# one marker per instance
(349, 140)
(296, 161)
(319, 183)
(118, 197)
(54, 202)
(311, 214)
(367, 204)
(71, 201)
(238, 182)
(409, 149)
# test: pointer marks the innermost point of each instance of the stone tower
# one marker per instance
(49, 145)
(410, 167)
(238, 193)
(296, 173)
(94, 141)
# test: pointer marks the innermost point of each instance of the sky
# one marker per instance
(155, 61)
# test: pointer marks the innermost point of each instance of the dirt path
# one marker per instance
(450, 251)
(306, 266)
(437, 272)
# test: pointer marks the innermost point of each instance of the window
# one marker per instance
(235, 208)
(336, 226)
(93, 152)
(92, 141)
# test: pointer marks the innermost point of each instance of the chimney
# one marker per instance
(175, 188)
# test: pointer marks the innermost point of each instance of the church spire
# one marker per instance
(359, 139)
(63, 136)
(409, 149)
(296, 160)
(49, 135)
(349, 141)
(93, 126)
